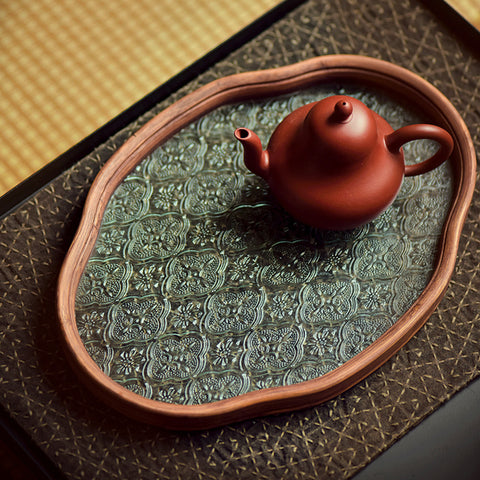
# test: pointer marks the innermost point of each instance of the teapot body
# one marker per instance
(335, 164)
(321, 188)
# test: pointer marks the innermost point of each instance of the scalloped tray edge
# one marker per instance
(233, 89)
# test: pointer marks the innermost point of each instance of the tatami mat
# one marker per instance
(69, 66)
(470, 9)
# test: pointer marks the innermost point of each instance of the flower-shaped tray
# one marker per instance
(189, 299)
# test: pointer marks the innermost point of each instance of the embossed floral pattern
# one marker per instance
(254, 190)
(323, 343)
(329, 302)
(138, 387)
(421, 212)
(268, 381)
(242, 231)
(424, 254)
(336, 260)
(380, 256)
(157, 236)
(283, 305)
(137, 320)
(220, 156)
(374, 295)
(168, 197)
(245, 270)
(290, 263)
(103, 283)
(202, 288)
(180, 156)
(364, 328)
(147, 278)
(110, 242)
(273, 348)
(195, 273)
(234, 311)
(410, 186)
(177, 357)
(91, 325)
(309, 371)
(171, 393)
(205, 233)
(387, 219)
(187, 316)
(212, 192)
(101, 354)
(130, 201)
(225, 352)
(211, 388)
(130, 361)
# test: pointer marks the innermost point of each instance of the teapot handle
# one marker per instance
(396, 139)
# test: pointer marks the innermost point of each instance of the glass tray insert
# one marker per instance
(201, 288)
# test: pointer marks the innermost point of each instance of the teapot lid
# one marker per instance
(342, 128)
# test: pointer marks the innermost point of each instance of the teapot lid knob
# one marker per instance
(341, 130)
(342, 111)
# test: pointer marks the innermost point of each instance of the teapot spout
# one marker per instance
(255, 158)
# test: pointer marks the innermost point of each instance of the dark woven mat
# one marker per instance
(85, 439)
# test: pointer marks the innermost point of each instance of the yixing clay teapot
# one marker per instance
(335, 164)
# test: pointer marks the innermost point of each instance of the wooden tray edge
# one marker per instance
(232, 89)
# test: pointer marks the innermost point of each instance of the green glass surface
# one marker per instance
(201, 287)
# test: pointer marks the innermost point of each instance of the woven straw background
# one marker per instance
(86, 439)
(68, 66)
(470, 9)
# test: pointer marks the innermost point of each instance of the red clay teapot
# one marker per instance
(335, 164)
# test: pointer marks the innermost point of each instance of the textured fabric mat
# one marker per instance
(85, 439)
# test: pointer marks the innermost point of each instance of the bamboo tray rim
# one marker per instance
(234, 89)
